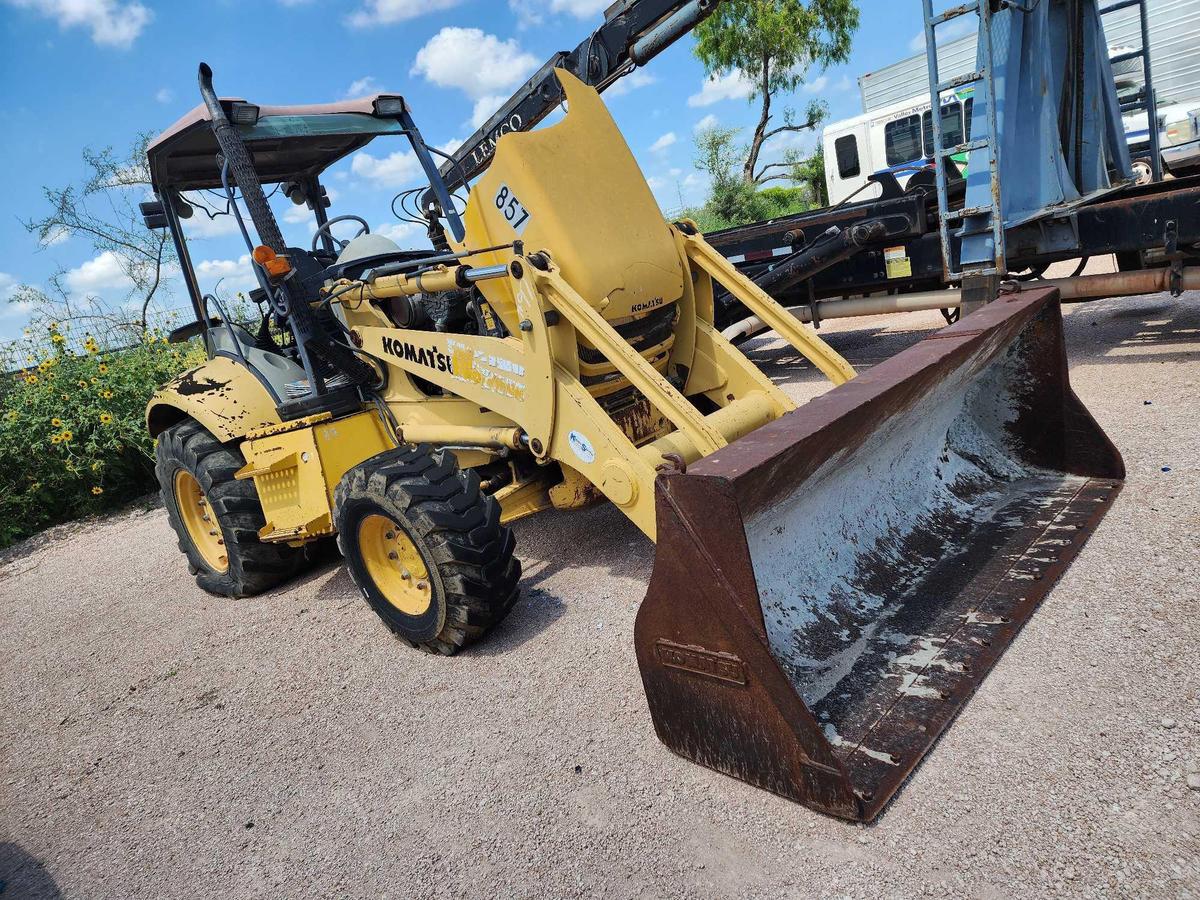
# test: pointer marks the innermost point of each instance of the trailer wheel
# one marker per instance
(1143, 170)
(216, 517)
(426, 548)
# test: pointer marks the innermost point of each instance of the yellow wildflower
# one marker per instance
(106, 394)
(56, 438)
(35, 485)
(106, 418)
(97, 490)
(94, 381)
(66, 436)
(11, 415)
(102, 369)
(97, 466)
(31, 379)
(82, 383)
(57, 338)
(56, 422)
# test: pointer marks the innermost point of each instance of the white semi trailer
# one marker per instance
(894, 133)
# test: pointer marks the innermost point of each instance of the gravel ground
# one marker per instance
(159, 742)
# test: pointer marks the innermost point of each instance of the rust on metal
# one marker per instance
(867, 558)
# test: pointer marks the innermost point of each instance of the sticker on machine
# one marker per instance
(581, 447)
(897, 262)
(511, 208)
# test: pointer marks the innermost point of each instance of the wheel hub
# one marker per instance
(395, 564)
(200, 522)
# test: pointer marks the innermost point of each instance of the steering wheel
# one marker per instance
(324, 229)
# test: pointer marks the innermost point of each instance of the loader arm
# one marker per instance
(633, 33)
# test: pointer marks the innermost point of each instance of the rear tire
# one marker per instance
(196, 479)
(426, 547)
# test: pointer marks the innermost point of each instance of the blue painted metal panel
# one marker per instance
(1039, 170)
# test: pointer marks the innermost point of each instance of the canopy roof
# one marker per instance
(287, 142)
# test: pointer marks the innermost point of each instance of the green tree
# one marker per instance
(774, 43)
(809, 173)
(731, 200)
(102, 209)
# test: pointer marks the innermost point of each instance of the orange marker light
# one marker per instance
(276, 266)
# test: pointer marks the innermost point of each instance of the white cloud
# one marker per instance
(231, 275)
(479, 64)
(99, 274)
(8, 287)
(709, 121)
(661, 145)
(631, 82)
(164, 95)
(485, 107)
(363, 87)
(389, 12)
(533, 12)
(405, 234)
(297, 215)
(952, 30)
(579, 8)
(112, 23)
(55, 237)
(200, 227)
(733, 86)
(817, 85)
(300, 214)
(394, 170)
(844, 84)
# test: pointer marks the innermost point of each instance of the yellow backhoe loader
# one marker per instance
(821, 574)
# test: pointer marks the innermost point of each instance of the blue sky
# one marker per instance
(76, 73)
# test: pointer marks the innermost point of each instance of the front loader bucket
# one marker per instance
(829, 590)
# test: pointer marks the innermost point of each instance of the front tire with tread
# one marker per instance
(456, 529)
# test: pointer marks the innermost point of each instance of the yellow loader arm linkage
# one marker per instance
(565, 305)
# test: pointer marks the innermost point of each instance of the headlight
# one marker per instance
(243, 114)
(389, 106)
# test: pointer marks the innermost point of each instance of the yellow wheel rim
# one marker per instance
(200, 521)
(395, 564)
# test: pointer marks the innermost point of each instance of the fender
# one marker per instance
(222, 395)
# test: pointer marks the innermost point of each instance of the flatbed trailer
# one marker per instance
(1143, 225)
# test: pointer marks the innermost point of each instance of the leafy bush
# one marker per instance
(735, 201)
(72, 436)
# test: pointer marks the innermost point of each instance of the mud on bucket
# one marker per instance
(830, 590)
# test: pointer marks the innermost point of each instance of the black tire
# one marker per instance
(454, 527)
(253, 566)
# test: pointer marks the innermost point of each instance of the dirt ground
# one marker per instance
(158, 742)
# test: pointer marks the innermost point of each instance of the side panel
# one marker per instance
(297, 466)
(222, 395)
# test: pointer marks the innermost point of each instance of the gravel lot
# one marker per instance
(159, 742)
